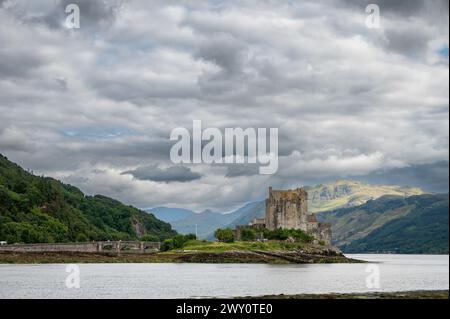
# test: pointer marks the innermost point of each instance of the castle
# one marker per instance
(288, 209)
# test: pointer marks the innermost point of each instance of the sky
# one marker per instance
(95, 106)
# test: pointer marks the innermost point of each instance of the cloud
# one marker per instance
(430, 177)
(18, 64)
(88, 105)
(225, 51)
(170, 174)
(235, 170)
(94, 14)
(13, 139)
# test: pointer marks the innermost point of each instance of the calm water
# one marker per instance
(397, 272)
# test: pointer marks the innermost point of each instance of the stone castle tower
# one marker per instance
(288, 209)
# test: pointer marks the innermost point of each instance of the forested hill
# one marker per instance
(41, 209)
(412, 225)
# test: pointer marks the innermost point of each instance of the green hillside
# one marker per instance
(348, 193)
(416, 224)
(42, 209)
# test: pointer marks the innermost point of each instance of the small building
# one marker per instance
(258, 222)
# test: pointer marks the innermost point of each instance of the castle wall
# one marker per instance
(288, 209)
(324, 232)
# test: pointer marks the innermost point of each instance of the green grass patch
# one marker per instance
(206, 246)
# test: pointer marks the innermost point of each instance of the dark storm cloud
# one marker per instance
(237, 170)
(170, 174)
(412, 42)
(432, 177)
(19, 63)
(225, 51)
(414, 7)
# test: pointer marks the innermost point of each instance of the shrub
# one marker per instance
(167, 245)
(283, 234)
(149, 237)
(248, 234)
(176, 242)
(224, 235)
(190, 237)
(179, 241)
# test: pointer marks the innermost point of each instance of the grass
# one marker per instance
(206, 246)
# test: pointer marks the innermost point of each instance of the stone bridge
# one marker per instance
(88, 247)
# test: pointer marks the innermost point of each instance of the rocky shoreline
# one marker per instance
(234, 256)
(418, 294)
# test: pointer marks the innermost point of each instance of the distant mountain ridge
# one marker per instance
(249, 212)
(169, 214)
(205, 223)
(41, 209)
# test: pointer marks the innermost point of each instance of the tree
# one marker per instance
(190, 237)
(248, 234)
(176, 242)
(224, 235)
(167, 245)
(35, 209)
(149, 237)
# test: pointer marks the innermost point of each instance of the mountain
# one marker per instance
(41, 209)
(206, 222)
(348, 193)
(249, 212)
(169, 214)
(415, 224)
(325, 197)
